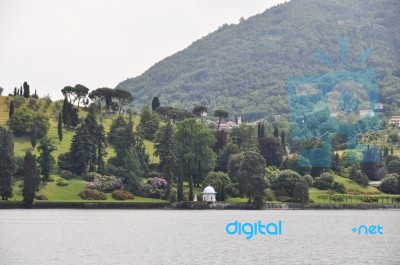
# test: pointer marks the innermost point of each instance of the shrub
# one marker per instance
(22, 121)
(158, 183)
(92, 194)
(51, 179)
(41, 197)
(91, 176)
(65, 174)
(62, 182)
(390, 183)
(270, 196)
(153, 174)
(339, 187)
(309, 179)
(286, 181)
(147, 190)
(324, 181)
(105, 183)
(122, 195)
(172, 197)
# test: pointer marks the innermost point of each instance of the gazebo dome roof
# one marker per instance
(209, 189)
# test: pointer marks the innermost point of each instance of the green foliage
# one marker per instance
(92, 194)
(221, 181)
(269, 195)
(122, 195)
(31, 179)
(394, 167)
(271, 149)
(149, 123)
(286, 182)
(244, 137)
(324, 182)
(46, 160)
(309, 179)
(339, 187)
(22, 122)
(300, 192)
(223, 157)
(155, 103)
(194, 146)
(390, 184)
(249, 171)
(62, 182)
(11, 109)
(7, 165)
(255, 57)
(165, 147)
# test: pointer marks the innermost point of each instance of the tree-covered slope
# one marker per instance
(243, 67)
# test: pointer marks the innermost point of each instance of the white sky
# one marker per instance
(55, 43)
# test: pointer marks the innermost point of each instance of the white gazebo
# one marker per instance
(209, 194)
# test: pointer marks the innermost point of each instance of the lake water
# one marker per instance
(31, 237)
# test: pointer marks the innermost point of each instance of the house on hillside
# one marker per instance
(366, 113)
(395, 120)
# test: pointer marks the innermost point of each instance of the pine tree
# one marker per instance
(31, 179)
(45, 159)
(33, 136)
(60, 127)
(11, 110)
(6, 163)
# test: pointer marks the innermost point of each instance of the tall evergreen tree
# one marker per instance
(45, 159)
(149, 123)
(6, 163)
(180, 182)
(283, 141)
(191, 196)
(60, 127)
(65, 110)
(33, 136)
(11, 109)
(155, 103)
(222, 139)
(276, 131)
(166, 149)
(31, 179)
(26, 90)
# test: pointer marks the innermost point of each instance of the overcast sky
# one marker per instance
(52, 44)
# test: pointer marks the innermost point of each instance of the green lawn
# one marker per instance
(69, 193)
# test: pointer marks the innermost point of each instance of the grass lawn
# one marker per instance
(69, 193)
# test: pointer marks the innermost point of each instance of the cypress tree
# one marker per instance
(391, 150)
(155, 103)
(33, 136)
(15, 91)
(6, 163)
(11, 110)
(180, 183)
(65, 109)
(31, 179)
(283, 141)
(69, 121)
(385, 151)
(60, 127)
(190, 188)
(26, 90)
(276, 131)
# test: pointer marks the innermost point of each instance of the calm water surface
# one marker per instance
(33, 237)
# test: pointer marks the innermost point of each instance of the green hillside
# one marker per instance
(23, 144)
(243, 67)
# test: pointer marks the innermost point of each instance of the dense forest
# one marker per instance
(243, 67)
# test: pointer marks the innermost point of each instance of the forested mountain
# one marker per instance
(243, 67)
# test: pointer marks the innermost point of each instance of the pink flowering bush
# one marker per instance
(153, 188)
(105, 183)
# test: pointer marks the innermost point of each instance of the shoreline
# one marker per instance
(194, 206)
